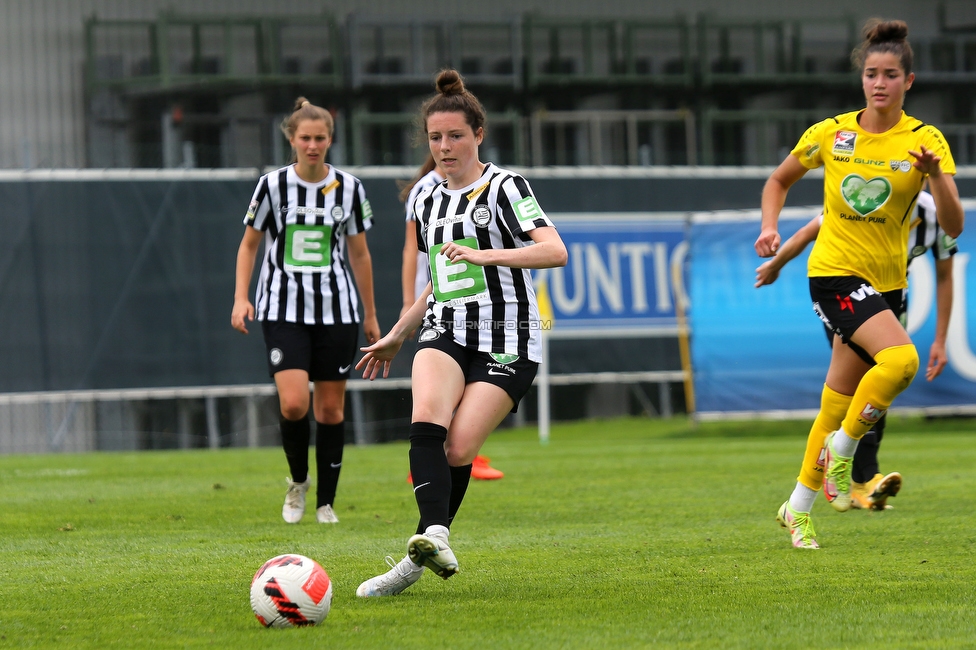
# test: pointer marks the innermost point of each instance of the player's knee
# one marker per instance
(460, 455)
(329, 414)
(899, 363)
(293, 409)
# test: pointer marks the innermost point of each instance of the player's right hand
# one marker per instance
(243, 309)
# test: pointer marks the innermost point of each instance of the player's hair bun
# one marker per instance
(449, 82)
(885, 31)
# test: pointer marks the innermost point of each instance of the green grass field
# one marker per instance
(617, 534)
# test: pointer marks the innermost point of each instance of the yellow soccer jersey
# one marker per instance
(870, 188)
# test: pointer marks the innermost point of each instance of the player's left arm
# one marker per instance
(362, 269)
(943, 188)
(943, 309)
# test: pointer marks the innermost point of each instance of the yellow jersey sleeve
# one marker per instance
(932, 139)
(809, 149)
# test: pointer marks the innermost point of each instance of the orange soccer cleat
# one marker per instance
(480, 469)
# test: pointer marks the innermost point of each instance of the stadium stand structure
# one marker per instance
(209, 91)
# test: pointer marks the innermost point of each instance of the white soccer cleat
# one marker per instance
(401, 575)
(326, 515)
(432, 551)
(294, 508)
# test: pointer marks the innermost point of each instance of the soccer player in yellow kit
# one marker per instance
(875, 162)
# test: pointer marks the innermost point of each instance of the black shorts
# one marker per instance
(325, 352)
(513, 375)
(844, 303)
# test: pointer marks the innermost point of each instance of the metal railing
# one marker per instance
(624, 149)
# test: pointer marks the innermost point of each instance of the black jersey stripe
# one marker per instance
(280, 313)
(301, 200)
(318, 303)
(357, 208)
(507, 212)
(340, 194)
(911, 206)
(522, 296)
(919, 127)
(495, 290)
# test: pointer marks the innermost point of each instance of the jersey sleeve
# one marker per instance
(259, 208)
(932, 139)
(410, 205)
(809, 149)
(361, 219)
(945, 246)
(518, 208)
(418, 203)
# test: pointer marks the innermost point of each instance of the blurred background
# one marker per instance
(132, 133)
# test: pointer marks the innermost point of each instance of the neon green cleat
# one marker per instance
(837, 477)
(799, 525)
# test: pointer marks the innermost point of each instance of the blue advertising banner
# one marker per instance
(765, 349)
(619, 270)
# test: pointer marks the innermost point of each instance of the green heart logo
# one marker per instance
(504, 359)
(865, 196)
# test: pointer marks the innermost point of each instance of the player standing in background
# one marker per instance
(870, 488)
(480, 342)
(875, 162)
(415, 274)
(308, 214)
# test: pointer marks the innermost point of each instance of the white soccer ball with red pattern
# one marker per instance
(291, 591)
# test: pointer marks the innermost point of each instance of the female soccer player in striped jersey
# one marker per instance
(871, 489)
(308, 214)
(480, 340)
(875, 162)
(415, 273)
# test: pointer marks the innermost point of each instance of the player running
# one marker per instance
(875, 162)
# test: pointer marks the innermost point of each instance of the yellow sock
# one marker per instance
(833, 407)
(895, 369)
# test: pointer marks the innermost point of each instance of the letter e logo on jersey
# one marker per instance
(455, 280)
(527, 209)
(307, 248)
(844, 141)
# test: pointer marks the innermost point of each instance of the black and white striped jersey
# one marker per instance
(927, 234)
(493, 308)
(423, 272)
(304, 275)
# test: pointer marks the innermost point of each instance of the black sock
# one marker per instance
(431, 474)
(294, 438)
(865, 464)
(460, 477)
(329, 439)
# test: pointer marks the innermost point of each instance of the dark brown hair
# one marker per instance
(889, 36)
(306, 110)
(453, 97)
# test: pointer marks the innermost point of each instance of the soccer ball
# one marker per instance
(291, 591)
